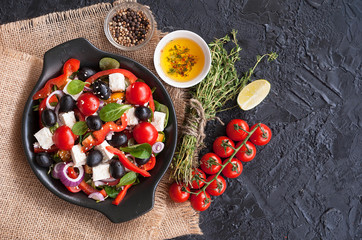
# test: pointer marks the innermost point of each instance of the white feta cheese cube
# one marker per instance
(68, 119)
(102, 148)
(76, 96)
(78, 156)
(117, 82)
(101, 172)
(131, 117)
(44, 138)
(159, 120)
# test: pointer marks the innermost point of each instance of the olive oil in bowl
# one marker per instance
(182, 59)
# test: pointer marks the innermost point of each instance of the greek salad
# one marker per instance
(100, 131)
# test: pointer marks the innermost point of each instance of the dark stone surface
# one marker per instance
(306, 183)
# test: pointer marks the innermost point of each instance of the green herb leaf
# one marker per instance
(162, 108)
(127, 179)
(142, 151)
(53, 128)
(80, 128)
(108, 63)
(36, 108)
(53, 104)
(112, 192)
(113, 111)
(75, 87)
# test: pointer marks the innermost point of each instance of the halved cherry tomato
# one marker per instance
(198, 178)
(216, 187)
(88, 104)
(235, 129)
(246, 152)
(150, 164)
(64, 138)
(73, 189)
(210, 163)
(138, 93)
(177, 194)
(233, 169)
(145, 132)
(262, 135)
(222, 147)
(200, 202)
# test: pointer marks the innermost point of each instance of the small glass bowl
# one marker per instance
(136, 7)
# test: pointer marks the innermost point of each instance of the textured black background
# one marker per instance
(306, 183)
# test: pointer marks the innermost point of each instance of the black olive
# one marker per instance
(141, 161)
(94, 122)
(43, 159)
(118, 139)
(101, 89)
(48, 118)
(143, 113)
(85, 72)
(94, 158)
(67, 103)
(116, 169)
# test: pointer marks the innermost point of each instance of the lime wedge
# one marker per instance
(253, 94)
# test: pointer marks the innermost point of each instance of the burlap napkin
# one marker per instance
(29, 210)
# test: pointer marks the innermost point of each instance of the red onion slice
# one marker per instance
(88, 89)
(60, 94)
(66, 180)
(119, 101)
(96, 196)
(158, 147)
(99, 183)
(57, 169)
(109, 135)
(132, 158)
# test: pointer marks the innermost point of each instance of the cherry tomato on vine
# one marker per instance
(145, 132)
(222, 147)
(88, 104)
(216, 187)
(234, 129)
(233, 169)
(246, 152)
(261, 136)
(64, 138)
(200, 202)
(198, 178)
(177, 194)
(138, 93)
(210, 163)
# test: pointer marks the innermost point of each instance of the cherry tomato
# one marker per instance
(145, 132)
(200, 202)
(221, 147)
(198, 178)
(210, 163)
(73, 189)
(261, 136)
(233, 169)
(177, 194)
(216, 187)
(246, 153)
(150, 164)
(234, 129)
(88, 104)
(138, 93)
(64, 138)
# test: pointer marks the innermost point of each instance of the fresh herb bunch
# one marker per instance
(220, 85)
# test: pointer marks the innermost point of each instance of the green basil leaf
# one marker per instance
(127, 179)
(113, 111)
(162, 108)
(75, 87)
(108, 63)
(80, 128)
(53, 128)
(142, 151)
(112, 192)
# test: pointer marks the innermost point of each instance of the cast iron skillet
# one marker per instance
(140, 198)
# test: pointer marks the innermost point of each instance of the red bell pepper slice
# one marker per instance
(70, 66)
(127, 163)
(151, 104)
(132, 78)
(121, 195)
(73, 189)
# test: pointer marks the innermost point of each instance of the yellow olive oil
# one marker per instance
(182, 59)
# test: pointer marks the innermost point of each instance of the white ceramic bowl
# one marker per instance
(182, 34)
